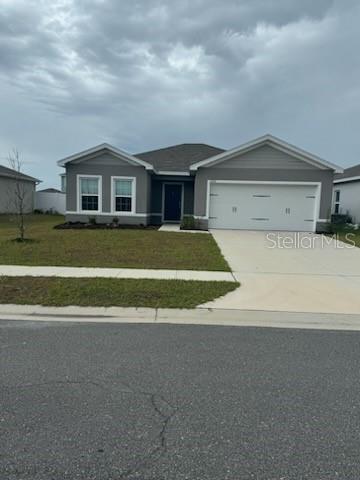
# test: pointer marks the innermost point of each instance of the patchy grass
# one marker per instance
(346, 234)
(110, 292)
(129, 248)
(352, 237)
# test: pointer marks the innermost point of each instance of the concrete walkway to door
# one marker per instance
(312, 274)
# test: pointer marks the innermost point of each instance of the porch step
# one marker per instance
(175, 227)
(170, 227)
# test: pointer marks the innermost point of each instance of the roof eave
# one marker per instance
(347, 179)
(174, 173)
(105, 146)
(26, 178)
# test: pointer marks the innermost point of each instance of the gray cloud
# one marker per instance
(144, 74)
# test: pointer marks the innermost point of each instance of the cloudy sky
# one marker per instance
(151, 73)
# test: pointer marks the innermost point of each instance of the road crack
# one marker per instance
(166, 411)
(163, 408)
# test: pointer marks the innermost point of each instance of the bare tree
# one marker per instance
(18, 196)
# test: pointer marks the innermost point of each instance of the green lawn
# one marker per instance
(110, 292)
(352, 237)
(347, 235)
(130, 248)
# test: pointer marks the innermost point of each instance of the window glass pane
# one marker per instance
(63, 183)
(123, 187)
(89, 202)
(337, 196)
(337, 208)
(89, 186)
(123, 204)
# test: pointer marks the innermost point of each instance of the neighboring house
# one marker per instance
(8, 199)
(265, 184)
(50, 200)
(346, 199)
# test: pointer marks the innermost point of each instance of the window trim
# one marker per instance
(113, 196)
(79, 177)
(337, 202)
(63, 182)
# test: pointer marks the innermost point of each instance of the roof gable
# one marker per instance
(264, 157)
(276, 143)
(103, 148)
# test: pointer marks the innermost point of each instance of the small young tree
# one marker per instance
(18, 193)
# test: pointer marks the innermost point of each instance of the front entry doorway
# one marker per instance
(172, 202)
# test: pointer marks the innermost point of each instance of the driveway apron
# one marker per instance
(289, 271)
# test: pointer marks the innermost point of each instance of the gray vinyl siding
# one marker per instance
(255, 174)
(107, 167)
(188, 198)
(148, 190)
(265, 157)
(156, 196)
(106, 158)
(149, 193)
(8, 202)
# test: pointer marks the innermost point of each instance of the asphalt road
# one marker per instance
(161, 402)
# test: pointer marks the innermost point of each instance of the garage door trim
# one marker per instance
(269, 182)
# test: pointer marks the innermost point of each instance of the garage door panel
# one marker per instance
(262, 207)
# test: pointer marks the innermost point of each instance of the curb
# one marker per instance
(199, 316)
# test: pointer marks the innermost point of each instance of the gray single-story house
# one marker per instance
(265, 184)
(346, 198)
(13, 183)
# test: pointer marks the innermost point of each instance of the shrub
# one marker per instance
(340, 218)
(188, 223)
(92, 220)
(51, 211)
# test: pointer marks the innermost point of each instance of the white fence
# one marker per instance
(50, 201)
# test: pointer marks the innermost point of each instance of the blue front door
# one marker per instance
(172, 202)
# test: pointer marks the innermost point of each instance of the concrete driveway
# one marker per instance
(293, 272)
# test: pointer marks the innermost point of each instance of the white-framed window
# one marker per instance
(89, 193)
(123, 195)
(337, 201)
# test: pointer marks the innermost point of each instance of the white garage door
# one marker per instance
(262, 206)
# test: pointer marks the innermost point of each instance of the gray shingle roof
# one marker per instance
(178, 158)
(10, 173)
(349, 172)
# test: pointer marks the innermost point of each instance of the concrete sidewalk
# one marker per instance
(199, 316)
(84, 272)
